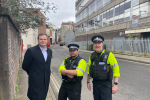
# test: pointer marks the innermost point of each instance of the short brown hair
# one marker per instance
(41, 35)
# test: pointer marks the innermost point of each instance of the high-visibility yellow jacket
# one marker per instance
(80, 68)
(111, 61)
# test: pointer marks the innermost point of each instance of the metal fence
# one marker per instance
(134, 46)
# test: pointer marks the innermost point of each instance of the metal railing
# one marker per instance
(133, 46)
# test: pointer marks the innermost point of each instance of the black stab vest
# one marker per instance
(72, 66)
(99, 69)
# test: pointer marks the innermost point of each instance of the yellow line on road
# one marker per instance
(55, 81)
(55, 85)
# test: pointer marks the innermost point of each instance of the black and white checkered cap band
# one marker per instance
(98, 39)
(73, 47)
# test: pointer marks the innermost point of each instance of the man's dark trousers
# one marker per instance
(70, 90)
(102, 90)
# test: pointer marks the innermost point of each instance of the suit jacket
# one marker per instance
(39, 72)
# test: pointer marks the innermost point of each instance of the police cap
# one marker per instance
(73, 46)
(97, 38)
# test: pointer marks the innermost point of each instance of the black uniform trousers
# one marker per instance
(70, 90)
(102, 90)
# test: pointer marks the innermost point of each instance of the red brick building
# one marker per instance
(42, 22)
(42, 29)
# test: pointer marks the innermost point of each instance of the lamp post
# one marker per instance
(87, 29)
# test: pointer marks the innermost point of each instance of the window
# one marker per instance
(100, 20)
(143, 10)
(127, 16)
(117, 10)
(120, 13)
(127, 5)
(97, 20)
(111, 16)
(99, 4)
(121, 8)
(104, 19)
(90, 24)
(121, 18)
(93, 23)
(116, 14)
(104, 15)
(107, 14)
(111, 12)
(135, 12)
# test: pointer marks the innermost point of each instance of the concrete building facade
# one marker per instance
(70, 37)
(66, 26)
(48, 32)
(52, 30)
(111, 18)
(57, 37)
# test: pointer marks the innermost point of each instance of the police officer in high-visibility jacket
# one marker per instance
(103, 66)
(72, 70)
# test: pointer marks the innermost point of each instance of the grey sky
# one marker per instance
(65, 13)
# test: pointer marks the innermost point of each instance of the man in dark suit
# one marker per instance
(36, 63)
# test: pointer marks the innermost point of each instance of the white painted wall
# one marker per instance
(53, 35)
(48, 31)
(30, 38)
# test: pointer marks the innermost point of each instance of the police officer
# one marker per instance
(72, 69)
(102, 68)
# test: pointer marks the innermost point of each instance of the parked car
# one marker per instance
(61, 43)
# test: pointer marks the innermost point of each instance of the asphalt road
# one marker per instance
(134, 83)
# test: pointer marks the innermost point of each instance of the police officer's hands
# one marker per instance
(114, 89)
(89, 86)
(63, 72)
(70, 76)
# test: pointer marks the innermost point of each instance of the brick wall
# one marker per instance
(42, 29)
(9, 56)
(13, 57)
